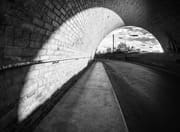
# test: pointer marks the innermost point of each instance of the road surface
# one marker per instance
(148, 98)
(115, 96)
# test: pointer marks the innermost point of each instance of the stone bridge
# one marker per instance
(44, 43)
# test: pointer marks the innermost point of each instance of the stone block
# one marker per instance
(48, 26)
(12, 51)
(51, 14)
(38, 22)
(35, 44)
(49, 4)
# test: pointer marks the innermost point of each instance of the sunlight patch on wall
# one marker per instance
(78, 37)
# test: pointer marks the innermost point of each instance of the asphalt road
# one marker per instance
(149, 98)
(116, 96)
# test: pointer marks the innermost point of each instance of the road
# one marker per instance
(116, 96)
(148, 97)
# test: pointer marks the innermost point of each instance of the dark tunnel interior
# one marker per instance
(45, 43)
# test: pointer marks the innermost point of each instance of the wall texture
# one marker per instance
(60, 40)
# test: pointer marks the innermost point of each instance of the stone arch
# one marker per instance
(73, 39)
(26, 25)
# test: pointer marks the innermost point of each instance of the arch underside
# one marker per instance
(62, 29)
(80, 36)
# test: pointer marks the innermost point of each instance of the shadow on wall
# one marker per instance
(41, 37)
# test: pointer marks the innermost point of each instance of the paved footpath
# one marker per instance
(89, 106)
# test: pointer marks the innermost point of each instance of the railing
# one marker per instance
(23, 64)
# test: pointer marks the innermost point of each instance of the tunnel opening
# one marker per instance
(134, 44)
(130, 39)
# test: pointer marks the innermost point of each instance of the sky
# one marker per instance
(137, 37)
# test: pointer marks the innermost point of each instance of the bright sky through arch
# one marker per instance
(137, 37)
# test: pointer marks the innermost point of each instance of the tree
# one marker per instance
(122, 47)
(108, 50)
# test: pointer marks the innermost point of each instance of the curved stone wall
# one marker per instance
(47, 30)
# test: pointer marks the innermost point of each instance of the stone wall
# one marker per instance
(52, 41)
(25, 27)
